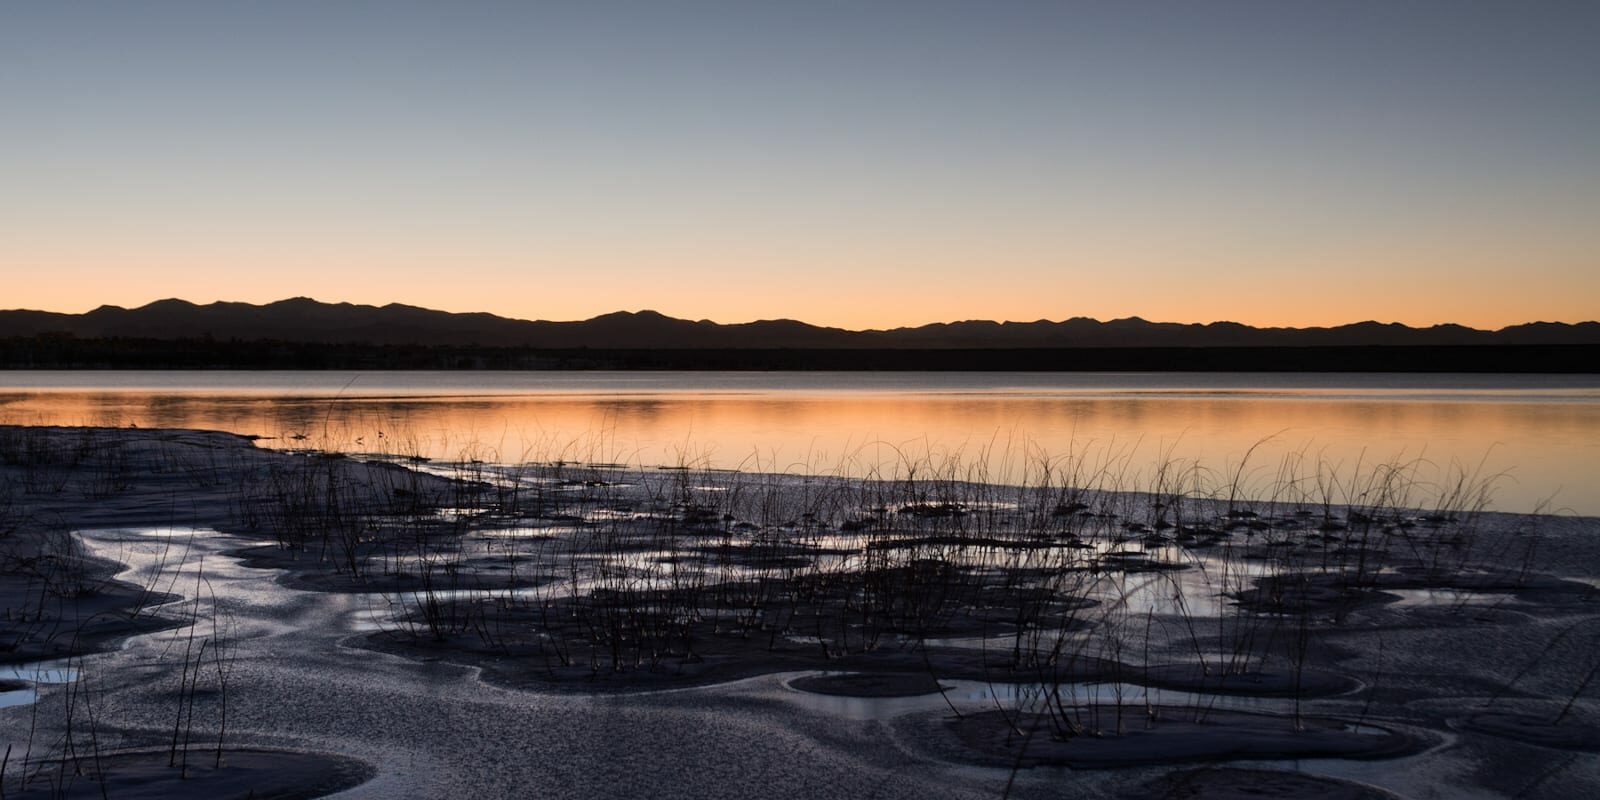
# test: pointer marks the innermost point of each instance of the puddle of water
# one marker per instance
(527, 532)
(40, 672)
(1104, 695)
(20, 697)
(1447, 598)
(1101, 698)
(172, 533)
(459, 513)
(37, 673)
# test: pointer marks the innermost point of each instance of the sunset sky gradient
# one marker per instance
(846, 163)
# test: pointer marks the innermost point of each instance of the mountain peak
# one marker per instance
(168, 304)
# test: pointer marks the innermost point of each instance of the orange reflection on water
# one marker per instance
(1547, 446)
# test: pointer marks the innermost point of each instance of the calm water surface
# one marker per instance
(1540, 433)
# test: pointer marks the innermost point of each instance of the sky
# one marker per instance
(857, 164)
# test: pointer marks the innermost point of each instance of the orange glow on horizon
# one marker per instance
(852, 283)
(1486, 315)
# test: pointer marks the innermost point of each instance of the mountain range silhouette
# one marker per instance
(305, 320)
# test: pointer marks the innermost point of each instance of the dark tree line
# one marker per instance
(65, 352)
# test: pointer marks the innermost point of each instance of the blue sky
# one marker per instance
(862, 164)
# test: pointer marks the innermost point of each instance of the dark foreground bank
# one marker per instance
(65, 352)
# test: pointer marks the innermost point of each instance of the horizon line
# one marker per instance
(651, 311)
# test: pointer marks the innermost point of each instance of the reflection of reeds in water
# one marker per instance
(1084, 568)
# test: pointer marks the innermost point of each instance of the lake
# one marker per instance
(1539, 435)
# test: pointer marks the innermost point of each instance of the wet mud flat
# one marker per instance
(154, 775)
(1057, 639)
(64, 602)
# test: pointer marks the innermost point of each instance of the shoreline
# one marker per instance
(120, 354)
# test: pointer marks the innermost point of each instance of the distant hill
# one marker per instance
(303, 320)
